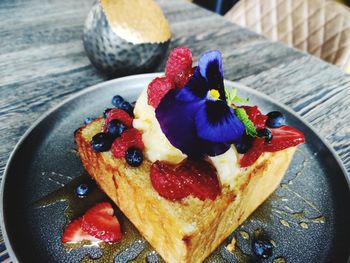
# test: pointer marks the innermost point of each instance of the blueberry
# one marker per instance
(101, 142)
(88, 120)
(262, 248)
(245, 144)
(105, 112)
(115, 128)
(117, 101)
(275, 119)
(82, 190)
(265, 133)
(134, 157)
(126, 106)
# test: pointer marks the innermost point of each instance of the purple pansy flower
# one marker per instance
(196, 121)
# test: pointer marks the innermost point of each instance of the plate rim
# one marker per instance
(88, 89)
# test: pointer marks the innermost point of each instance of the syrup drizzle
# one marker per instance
(76, 206)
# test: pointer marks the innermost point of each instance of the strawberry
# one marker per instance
(75, 234)
(129, 138)
(253, 154)
(175, 182)
(256, 116)
(284, 137)
(118, 114)
(100, 222)
(179, 66)
(157, 90)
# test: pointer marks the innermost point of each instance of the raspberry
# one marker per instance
(129, 138)
(157, 90)
(183, 77)
(118, 114)
(179, 66)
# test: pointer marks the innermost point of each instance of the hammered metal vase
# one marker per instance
(123, 37)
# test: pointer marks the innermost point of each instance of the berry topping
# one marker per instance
(253, 153)
(262, 248)
(284, 137)
(157, 90)
(117, 101)
(106, 112)
(265, 133)
(134, 157)
(256, 116)
(100, 222)
(118, 114)
(175, 182)
(179, 66)
(101, 142)
(75, 234)
(275, 119)
(82, 190)
(88, 120)
(130, 138)
(245, 144)
(126, 106)
(115, 128)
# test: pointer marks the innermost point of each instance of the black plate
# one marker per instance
(307, 217)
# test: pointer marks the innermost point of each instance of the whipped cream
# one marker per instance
(158, 147)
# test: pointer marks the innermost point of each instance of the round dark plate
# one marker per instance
(307, 218)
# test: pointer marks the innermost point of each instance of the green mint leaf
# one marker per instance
(231, 97)
(248, 124)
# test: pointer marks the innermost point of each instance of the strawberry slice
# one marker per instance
(175, 182)
(157, 90)
(179, 66)
(253, 154)
(75, 234)
(284, 137)
(118, 114)
(256, 116)
(100, 222)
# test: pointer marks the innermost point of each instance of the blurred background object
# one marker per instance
(319, 27)
(126, 37)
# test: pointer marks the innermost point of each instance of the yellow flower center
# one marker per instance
(214, 94)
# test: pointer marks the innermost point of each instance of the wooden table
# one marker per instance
(42, 62)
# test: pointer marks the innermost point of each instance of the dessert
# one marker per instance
(191, 162)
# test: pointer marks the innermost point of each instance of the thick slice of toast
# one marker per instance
(186, 231)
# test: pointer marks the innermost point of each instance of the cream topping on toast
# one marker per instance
(158, 147)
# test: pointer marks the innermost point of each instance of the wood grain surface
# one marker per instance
(42, 62)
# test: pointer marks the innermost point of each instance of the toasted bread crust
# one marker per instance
(186, 231)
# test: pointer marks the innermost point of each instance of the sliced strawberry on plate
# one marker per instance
(253, 154)
(100, 222)
(75, 234)
(157, 90)
(179, 66)
(175, 182)
(118, 114)
(129, 138)
(284, 137)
